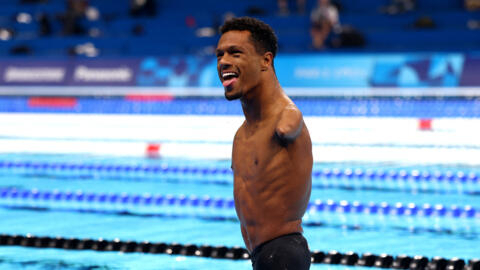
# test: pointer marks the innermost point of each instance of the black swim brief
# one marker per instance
(285, 252)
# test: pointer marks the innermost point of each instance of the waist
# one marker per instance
(258, 248)
(265, 231)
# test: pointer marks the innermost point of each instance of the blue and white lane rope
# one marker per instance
(457, 176)
(15, 196)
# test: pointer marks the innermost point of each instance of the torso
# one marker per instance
(272, 181)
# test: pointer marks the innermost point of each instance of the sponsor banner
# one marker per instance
(302, 71)
(72, 73)
(104, 72)
(33, 72)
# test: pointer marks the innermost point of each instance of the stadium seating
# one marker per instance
(178, 25)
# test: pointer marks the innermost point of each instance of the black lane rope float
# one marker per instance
(238, 253)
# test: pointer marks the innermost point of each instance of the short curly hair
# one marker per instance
(262, 35)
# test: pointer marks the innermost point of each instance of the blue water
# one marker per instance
(83, 260)
(412, 235)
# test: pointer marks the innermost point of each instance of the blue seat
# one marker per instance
(364, 6)
(424, 39)
(170, 33)
(439, 5)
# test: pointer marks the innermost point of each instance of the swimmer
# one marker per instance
(272, 151)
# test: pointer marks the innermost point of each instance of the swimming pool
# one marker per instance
(48, 195)
(368, 195)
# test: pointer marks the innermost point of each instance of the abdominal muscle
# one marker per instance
(268, 208)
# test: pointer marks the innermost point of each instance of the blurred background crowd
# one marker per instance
(95, 28)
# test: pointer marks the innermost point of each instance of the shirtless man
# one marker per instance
(272, 151)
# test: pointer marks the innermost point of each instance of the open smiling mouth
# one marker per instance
(229, 78)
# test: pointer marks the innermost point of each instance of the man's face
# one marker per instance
(238, 63)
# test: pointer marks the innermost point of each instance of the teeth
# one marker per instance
(224, 75)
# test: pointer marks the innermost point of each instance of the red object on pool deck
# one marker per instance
(153, 150)
(52, 102)
(148, 97)
(425, 124)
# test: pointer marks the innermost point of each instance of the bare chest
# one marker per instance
(252, 154)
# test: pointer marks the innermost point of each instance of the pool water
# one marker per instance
(451, 230)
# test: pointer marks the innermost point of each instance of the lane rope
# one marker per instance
(238, 253)
(450, 176)
(354, 207)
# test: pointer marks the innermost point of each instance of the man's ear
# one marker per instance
(267, 61)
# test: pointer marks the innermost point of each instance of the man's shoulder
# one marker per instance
(290, 108)
(239, 130)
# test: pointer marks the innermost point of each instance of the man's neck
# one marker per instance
(260, 104)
